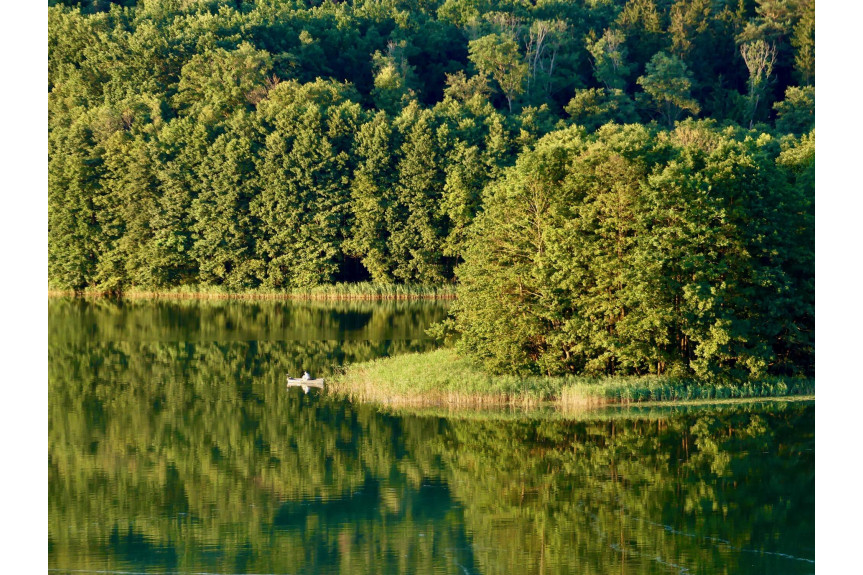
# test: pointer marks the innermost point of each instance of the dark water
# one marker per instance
(175, 447)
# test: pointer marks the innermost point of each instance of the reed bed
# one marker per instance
(442, 378)
(338, 291)
(626, 390)
(606, 412)
(438, 377)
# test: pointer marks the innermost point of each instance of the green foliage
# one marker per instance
(303, 171)
(500, 312)
(74, 172)
(466, 176)
(804, 43)
(415, 242)
(668, 83)
(392, 79)
(497, 56)
(218, 82)
(223, 244)
(641, 23)
(688, 23)
(595, 107)
(609, 57)
(633, 251)
(796, 113)
(373, 198)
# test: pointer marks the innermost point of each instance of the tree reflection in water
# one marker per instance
(174, 446)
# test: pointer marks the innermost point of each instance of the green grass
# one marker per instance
(441, 377)
(338, 291)
(432, 378)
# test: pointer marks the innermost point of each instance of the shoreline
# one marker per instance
(553, 410)
(441, 379)
(490, 403)
(331, 292)
(558, 405)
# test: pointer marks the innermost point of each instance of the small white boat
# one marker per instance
(306, 384)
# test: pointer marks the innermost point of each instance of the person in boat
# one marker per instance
(306, 376)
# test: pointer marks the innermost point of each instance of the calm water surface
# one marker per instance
(175, 447)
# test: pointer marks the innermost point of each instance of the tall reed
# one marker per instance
(337, 291)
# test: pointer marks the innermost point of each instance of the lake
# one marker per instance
(174, 446)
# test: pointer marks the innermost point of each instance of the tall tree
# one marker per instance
(609, 53)
(74, 172)
(688, 21)
(668, 82)
(224, 227)
(804, 43)
(543, 41)
(497, 56)
(373, 198)
(466, 176)
(796, 113)
(126, 208)
(641, 23)
(759, 57)
(419, 227)
(507, 304)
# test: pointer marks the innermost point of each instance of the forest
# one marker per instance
(617, 187)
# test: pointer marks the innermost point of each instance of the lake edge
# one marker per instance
(358, 291)
(441, 378)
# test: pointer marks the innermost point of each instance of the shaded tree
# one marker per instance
(609, 58)
(796, 113)
(668, 82)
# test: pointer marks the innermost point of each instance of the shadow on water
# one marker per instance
(171, 451)
(112, 320)
(133, 548)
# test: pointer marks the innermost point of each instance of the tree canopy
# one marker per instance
(634, 250)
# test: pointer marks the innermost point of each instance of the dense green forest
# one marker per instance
(617, 186)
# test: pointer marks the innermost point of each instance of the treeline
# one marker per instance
(279, 144)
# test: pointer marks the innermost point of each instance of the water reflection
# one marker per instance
(172, 451)
(111, 320)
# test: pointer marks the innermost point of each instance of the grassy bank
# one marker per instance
(338, 291)
(442, 378)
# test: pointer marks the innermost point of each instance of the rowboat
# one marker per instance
(306, 384)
